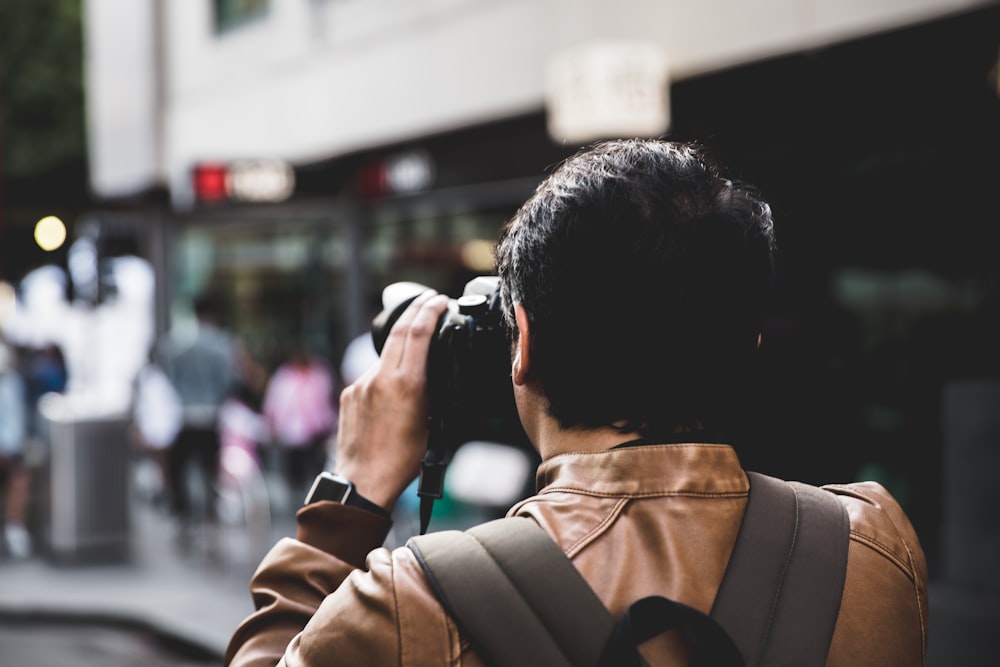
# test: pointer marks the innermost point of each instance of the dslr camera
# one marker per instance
(468, 374)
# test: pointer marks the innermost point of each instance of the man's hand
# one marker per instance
(383, 415)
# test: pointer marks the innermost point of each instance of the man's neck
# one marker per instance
(547, 434)
(553, 440)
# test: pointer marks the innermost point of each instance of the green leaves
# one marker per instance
(41, 85)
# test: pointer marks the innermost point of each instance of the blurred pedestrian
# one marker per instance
(301, 416)
(241, 425)
(157, 417)
(241, 434)
(45, 372)
(13, 471)
(360, 353)
(359, 356)
(202, 370)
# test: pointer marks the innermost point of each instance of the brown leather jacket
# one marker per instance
(636, 521)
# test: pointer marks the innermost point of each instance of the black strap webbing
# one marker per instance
(708, 643)
(519, 601)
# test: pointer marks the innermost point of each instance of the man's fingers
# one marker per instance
(383, 418)
(398, 340)
(420, 331)
(395, 342)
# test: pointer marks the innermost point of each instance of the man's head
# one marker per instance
(644, 274)
(206, 308)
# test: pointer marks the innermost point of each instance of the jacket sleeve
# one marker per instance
(297, 574)
(332, 596)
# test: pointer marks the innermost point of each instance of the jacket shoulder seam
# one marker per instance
(884, 550)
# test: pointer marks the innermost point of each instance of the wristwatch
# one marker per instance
(329, 486)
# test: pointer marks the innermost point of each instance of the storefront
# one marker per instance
(311, 268)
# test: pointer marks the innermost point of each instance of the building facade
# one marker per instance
(423, 122)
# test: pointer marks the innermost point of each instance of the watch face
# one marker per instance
(329, 487)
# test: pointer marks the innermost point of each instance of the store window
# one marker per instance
(282, 281)
(440, 249)
(230, 14)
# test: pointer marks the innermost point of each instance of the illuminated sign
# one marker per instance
(409, 172)
(210, 182)
(262, 181)
(401, 173)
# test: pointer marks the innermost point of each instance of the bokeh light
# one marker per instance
(477, 255)
(50, 233)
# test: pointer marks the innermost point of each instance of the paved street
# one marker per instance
(171, 601)
(110, 642)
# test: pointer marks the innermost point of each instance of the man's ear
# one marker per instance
(522, 347)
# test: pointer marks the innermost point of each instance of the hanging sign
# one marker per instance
(608, 90)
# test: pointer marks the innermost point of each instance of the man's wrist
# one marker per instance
(339, 489)
(350, 534)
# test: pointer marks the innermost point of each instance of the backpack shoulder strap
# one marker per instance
(781, 592)
(540, 610)
(780, 595)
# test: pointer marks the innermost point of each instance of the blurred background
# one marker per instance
(286, 159)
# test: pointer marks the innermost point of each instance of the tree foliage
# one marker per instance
(41, 85)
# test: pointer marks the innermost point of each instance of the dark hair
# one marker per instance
(644, 273)
(208, 306)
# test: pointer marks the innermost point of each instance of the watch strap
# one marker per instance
(357, 500)
(335, 488)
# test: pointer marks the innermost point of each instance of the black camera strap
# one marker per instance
(431, 485)
(441, 442)
(426, 509)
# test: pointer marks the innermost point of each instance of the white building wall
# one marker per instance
(122, 102)
(320, 78)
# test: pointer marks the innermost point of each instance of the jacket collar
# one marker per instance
(648, 470)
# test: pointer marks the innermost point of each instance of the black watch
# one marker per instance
(329, 486)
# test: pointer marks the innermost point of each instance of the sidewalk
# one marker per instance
(196, 594)
(168, 596)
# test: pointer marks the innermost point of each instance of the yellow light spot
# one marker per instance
(50, 233)
(478, 255)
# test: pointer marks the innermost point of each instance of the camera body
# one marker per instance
(468, 366)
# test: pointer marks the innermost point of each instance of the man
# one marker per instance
(202, 370)
(300, 415)
(634, 281)
(15, 476)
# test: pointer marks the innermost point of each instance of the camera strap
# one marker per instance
(430, 487)
(432, 470)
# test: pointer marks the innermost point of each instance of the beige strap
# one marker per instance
(509, 588)
(780, 596)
